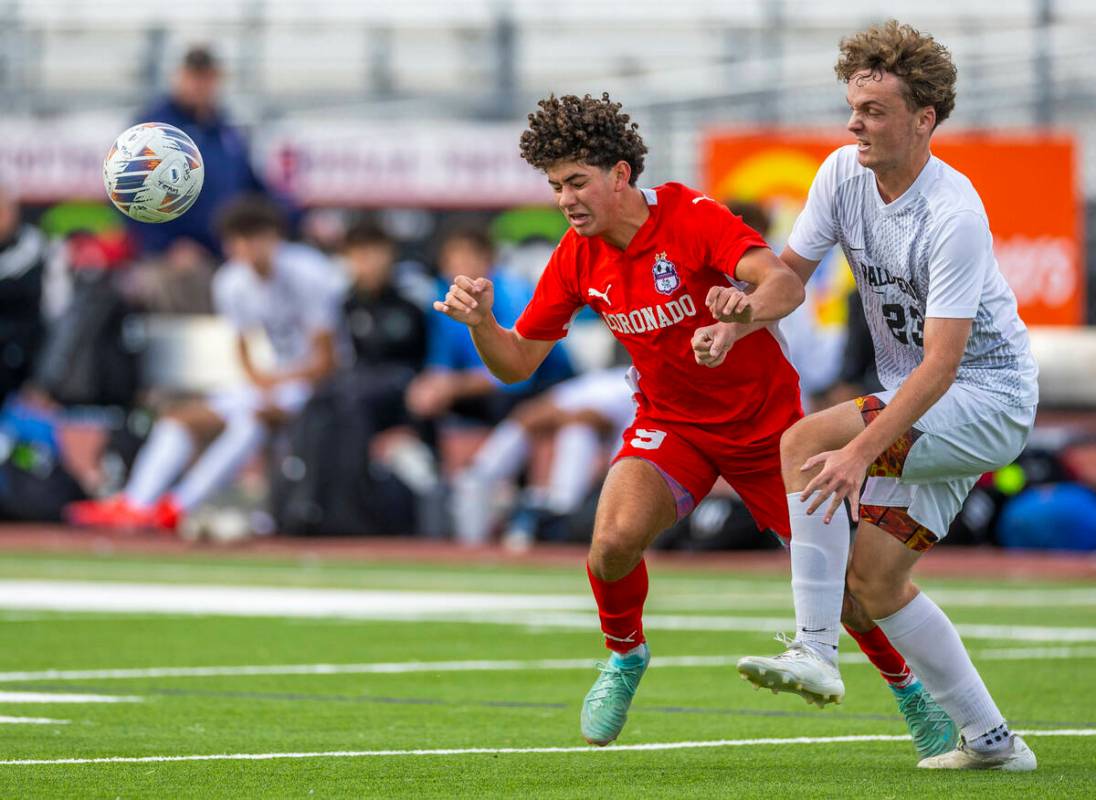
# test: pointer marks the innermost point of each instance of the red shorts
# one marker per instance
(693, 456)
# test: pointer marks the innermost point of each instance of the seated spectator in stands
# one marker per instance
(291, 293)
(385, 327)
(455, 380)
(181, 254)
(22, 269)
(578, 415)
(194, 106)
(387, 330)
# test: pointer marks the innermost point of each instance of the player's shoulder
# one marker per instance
(842, 165)
(232, 277)
(951, 192)
(673, 194)
(684, 204)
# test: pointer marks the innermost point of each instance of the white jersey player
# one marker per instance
(291, 293)
(960, 393)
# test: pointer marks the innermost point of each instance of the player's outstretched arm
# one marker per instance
(510, 357)
(778, 290)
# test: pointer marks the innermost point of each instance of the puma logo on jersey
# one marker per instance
(603, 295)
(702, 197)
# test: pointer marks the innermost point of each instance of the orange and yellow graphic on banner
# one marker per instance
(1027, 183)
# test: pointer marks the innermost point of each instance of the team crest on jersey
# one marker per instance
(666, 277)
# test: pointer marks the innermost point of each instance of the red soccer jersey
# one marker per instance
(651, 295)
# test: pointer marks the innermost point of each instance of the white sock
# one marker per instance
(472, 509)
(503, 454)
(576, 449)
(159, 462)
(925, 637)
(819, 555)
(218, 465)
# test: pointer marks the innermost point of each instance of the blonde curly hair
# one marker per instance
(922, 64)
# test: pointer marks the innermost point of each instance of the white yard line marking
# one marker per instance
(32, 721)
(619, 748)
(503, 665)
(265, 601)
(49, 697)
(536, 611)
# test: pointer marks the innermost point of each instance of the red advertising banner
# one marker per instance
(1028, 183)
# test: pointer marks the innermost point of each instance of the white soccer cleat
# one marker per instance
(1017, 757)
(798, 669)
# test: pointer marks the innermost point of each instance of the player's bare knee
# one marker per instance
(853, 614)
(797, 444)
(615, 550)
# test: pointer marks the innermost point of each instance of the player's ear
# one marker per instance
(926, 119)
(622, 175)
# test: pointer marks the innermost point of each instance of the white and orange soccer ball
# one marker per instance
(153, 172)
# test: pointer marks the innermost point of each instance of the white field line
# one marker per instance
(464, 751)
(537, 611)
(719, 592)
(32, 721)
(404, 667)
(49, 697)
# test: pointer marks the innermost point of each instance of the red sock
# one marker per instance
(620, 606)
(880, 652)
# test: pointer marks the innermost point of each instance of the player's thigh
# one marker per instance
(829, 429)
(636, 504)
(879, 570)
(755, 475)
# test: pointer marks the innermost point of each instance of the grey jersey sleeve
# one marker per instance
(815, 229)
(960, 259)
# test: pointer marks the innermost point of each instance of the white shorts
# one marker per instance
(605, 392)
(289, 397)
(930, 470)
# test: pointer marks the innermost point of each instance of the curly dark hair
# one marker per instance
(922, 64)
(586, 129)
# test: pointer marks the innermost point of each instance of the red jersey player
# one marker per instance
(656, 264)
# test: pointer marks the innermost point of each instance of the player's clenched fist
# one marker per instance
(468, 301)
(712, 343)
(729, 304)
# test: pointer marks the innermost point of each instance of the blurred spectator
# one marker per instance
(578, 415)
(193, 105)
(290, 292)
(455, 380)
(386, 328)
(23, 253)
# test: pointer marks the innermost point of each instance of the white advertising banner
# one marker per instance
(427, 163)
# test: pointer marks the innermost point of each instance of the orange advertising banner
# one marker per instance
(1028, 184)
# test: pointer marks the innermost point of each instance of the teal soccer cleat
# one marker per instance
(931, 729)
(605, 709)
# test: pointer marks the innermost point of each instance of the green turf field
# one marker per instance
(340, 674)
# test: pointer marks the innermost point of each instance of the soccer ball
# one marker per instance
(153, 172)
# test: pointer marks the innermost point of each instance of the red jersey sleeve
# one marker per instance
(557, 297)
(723, 237)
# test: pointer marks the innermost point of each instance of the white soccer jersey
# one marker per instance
(302, 296)
(927, 254)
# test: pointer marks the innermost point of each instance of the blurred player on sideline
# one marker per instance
(293, 293)
(648, 261)
(960, 394)
(576, 414)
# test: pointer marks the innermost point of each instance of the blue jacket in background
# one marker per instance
(450, 343)
(228, 174)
